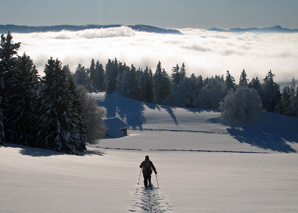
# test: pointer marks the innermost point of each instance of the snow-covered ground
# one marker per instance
(203, 166)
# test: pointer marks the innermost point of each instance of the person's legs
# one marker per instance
(149, 179)
(145, 180)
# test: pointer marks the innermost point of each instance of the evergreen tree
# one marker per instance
(111, 75)
(57, 127)
(23, 113)
(285, 99)
(100, 77)
(211, 94)
(270, 93)
(181, 95)
(93, 75)
(230, 82)
(292, 99)
(8, 50)
(157, 85)
(146, 85)
(297, 102)
(176, 74)
(256, 85)
(243, 81)
(81, 76)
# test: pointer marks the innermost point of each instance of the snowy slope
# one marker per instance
(163, 127)
(105, 179)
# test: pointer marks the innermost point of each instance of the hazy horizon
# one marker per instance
(205, 53)
(199, 14)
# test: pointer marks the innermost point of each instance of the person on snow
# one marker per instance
(147, 166)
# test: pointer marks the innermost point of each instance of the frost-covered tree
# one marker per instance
(57, 128)
(8, 51)
(241, 106)
(211, 94)
(181, 94)
(270, 93)
(95, 128)
(23, 107)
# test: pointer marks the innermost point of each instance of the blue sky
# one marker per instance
(162, 13)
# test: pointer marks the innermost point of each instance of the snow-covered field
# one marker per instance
(203, 166)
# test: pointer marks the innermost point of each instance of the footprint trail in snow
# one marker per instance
(149, 200)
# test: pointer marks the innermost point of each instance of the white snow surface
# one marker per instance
(203, 166)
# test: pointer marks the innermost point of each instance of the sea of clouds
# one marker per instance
(205, 53)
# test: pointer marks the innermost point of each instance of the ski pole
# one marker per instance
(139, 177)
(156, 180)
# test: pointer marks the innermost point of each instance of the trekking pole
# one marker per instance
(156, 180)
(139, 177)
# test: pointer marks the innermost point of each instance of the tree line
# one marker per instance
(179, 90)
(50, 112)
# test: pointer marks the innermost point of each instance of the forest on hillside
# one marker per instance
(54, 112)
(178, 90)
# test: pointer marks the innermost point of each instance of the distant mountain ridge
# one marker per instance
(273, 29)
(33, 29)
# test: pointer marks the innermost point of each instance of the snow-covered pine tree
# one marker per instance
(8, 50)
(57, 129)
(181, 94)
(211, 94)
(92, 114)
(77, 110)
(23, 104)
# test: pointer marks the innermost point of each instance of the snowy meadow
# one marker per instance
(203, 165)
(204, 52)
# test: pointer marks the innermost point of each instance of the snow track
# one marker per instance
(149, 200)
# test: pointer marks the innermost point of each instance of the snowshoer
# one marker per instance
(147, 166)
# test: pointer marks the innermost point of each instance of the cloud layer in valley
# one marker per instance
(205, 53)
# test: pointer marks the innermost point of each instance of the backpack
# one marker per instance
(147, 168)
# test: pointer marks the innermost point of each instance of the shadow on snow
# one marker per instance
(39, 152)
(271, 132)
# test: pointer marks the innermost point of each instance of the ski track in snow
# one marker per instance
(149, 200)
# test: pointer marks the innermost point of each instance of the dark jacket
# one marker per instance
(145, 172)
